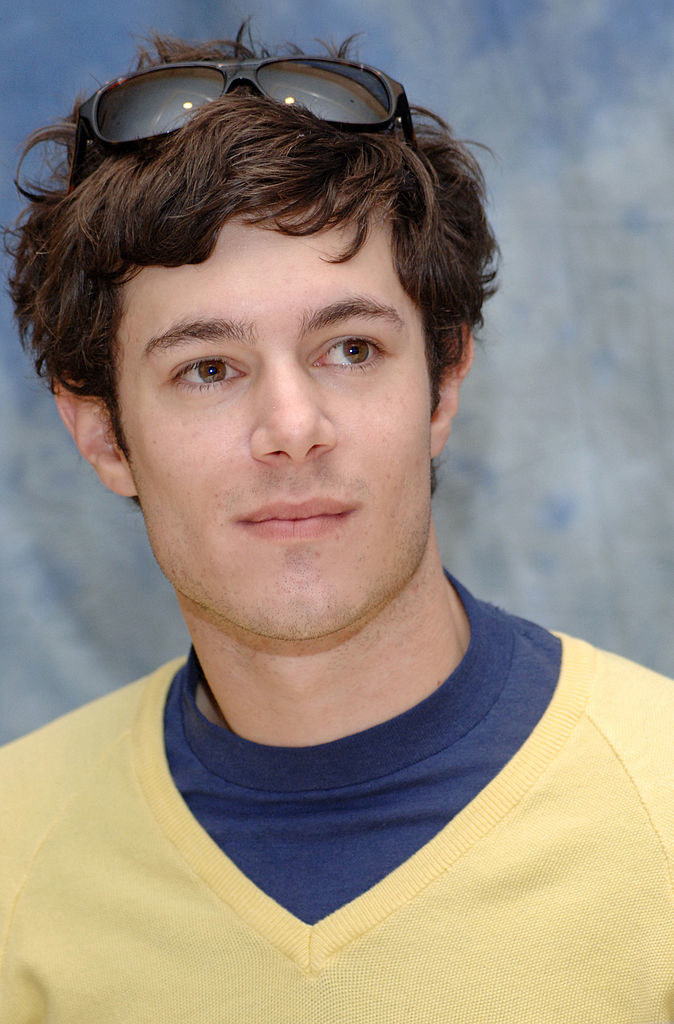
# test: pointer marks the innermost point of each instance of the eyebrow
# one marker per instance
(223, 329)
(358, 307)
(216, 329)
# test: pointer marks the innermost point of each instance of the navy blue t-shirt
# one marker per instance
(316, 826)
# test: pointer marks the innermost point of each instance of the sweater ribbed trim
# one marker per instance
(311, 946)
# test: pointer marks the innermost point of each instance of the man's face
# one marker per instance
(276, 409)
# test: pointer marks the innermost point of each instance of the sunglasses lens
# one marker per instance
(156, 102)
(332, 92)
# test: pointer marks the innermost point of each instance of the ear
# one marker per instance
(448, 403)
(88, 421)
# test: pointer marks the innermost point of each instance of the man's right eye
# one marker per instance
(206, 372)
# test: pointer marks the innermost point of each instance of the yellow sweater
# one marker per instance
(548, 899)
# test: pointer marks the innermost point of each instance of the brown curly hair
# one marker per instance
(163, 203)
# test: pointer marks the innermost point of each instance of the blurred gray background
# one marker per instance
(556, 493)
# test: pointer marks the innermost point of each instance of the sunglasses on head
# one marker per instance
(351, 96)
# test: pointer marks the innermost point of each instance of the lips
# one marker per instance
(291, 511)
(298, 521)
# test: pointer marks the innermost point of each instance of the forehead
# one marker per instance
(264, 278)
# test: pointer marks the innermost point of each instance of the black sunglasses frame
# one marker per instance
(235, 72)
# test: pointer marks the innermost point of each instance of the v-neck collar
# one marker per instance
(312, 946)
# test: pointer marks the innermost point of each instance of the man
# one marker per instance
(366, 796)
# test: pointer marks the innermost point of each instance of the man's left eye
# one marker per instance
(349, 352)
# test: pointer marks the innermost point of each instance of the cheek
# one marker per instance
(398, 449)
(168, 465)
(168, 446)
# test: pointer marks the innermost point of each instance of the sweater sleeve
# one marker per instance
(40, 774)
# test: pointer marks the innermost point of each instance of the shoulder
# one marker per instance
(631, 703)
(41, 773)
(74, 740)
(632, 708)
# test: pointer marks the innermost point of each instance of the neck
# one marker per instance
(308, 692)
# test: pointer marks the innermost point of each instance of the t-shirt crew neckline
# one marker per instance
(435, 723)
(312, 947)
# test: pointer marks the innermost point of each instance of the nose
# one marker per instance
(291, 421)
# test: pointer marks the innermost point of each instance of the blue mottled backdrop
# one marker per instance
(556, 495)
